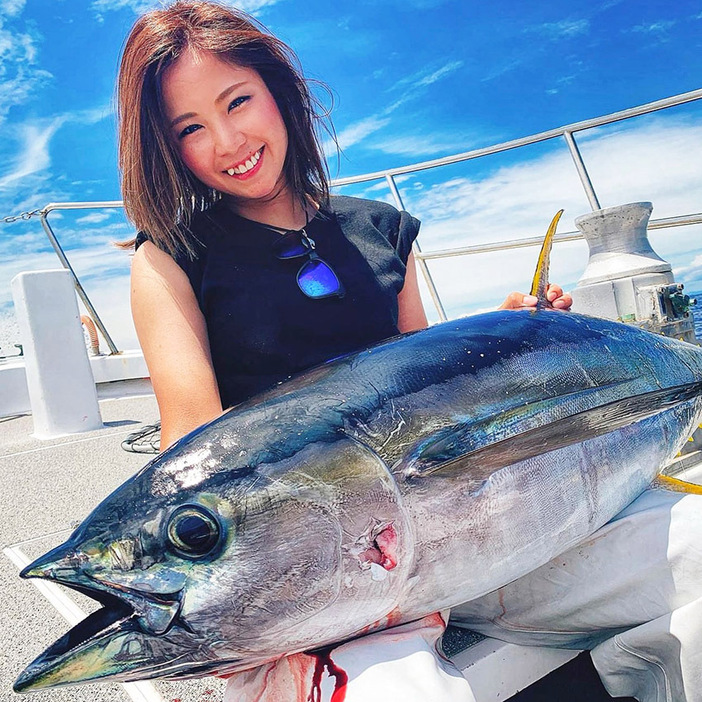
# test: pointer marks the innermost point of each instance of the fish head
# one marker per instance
(209, 561)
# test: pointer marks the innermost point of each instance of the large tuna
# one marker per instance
(375, 489)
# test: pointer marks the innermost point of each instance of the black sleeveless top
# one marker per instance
(261, 327)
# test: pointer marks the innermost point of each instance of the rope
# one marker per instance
(144, 440)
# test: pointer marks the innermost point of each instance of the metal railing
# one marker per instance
(566, 133)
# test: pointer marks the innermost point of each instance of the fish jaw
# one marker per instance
(132, 628)
(108, 644)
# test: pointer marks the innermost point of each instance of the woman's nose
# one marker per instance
(228, 140)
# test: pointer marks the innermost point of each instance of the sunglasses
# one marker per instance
(316, 279)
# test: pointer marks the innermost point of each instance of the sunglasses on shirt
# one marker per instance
(316, 279)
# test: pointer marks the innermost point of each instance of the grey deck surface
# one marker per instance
(46, 488)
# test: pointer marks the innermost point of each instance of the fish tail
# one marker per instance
(676, 485)
(540, 283)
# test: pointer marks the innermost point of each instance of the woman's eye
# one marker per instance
(188, 130)
(236, 102)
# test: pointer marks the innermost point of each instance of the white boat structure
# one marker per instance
(64, 416)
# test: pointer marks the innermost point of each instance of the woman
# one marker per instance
(246, 271)
(221, 137)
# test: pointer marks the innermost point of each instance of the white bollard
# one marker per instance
(60, 382)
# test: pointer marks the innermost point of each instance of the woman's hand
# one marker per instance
(554, 294)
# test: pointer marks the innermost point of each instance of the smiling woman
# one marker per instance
(166, 76)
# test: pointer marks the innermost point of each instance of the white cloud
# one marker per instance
(414, 85)
(418, 146)
(356, 132)
(419, 81)
(660, 27)
(692, 270)
(31, 162)
(91, 115)
(93, 218)
(20, 77)
(653, 161)
(564, 28)
(34, 153)
(11, 8)
(427, 76)
(500, 69)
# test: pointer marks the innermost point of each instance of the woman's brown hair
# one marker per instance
(160, 194)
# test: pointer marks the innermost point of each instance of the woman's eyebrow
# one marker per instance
(227, 91)
(183, 117)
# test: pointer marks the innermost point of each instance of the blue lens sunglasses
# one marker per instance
(316, 279)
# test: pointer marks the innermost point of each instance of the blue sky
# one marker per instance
(412, 80)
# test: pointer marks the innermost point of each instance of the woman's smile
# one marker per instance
(249, 167)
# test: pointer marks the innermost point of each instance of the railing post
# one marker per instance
(79, 288)
(418, 255)
(582, 171)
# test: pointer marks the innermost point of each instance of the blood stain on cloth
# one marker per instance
(324, 661)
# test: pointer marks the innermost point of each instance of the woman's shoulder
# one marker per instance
(355, 213)
(344, 205)
(191, 239)
(371, 220)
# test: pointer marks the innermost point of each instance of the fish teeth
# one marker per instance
(244, 167)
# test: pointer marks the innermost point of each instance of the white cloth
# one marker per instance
(400, 664)
(632, 593)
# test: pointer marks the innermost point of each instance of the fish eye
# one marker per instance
(193, 532)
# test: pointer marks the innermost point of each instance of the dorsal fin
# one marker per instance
(540, 283)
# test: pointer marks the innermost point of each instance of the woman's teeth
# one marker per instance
(244, 167)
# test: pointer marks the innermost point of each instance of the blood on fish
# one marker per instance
(389, 620)
(387, 543)
(384, 549)
(324, 660)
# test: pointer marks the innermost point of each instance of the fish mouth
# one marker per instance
(133, 636)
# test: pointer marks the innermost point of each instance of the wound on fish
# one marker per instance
(383, 549)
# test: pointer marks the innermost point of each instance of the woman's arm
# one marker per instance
(173, 337)
(411, 314)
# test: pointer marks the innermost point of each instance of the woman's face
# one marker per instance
(226, 126)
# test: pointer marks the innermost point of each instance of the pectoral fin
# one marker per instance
(448, 455)
(676, 485)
